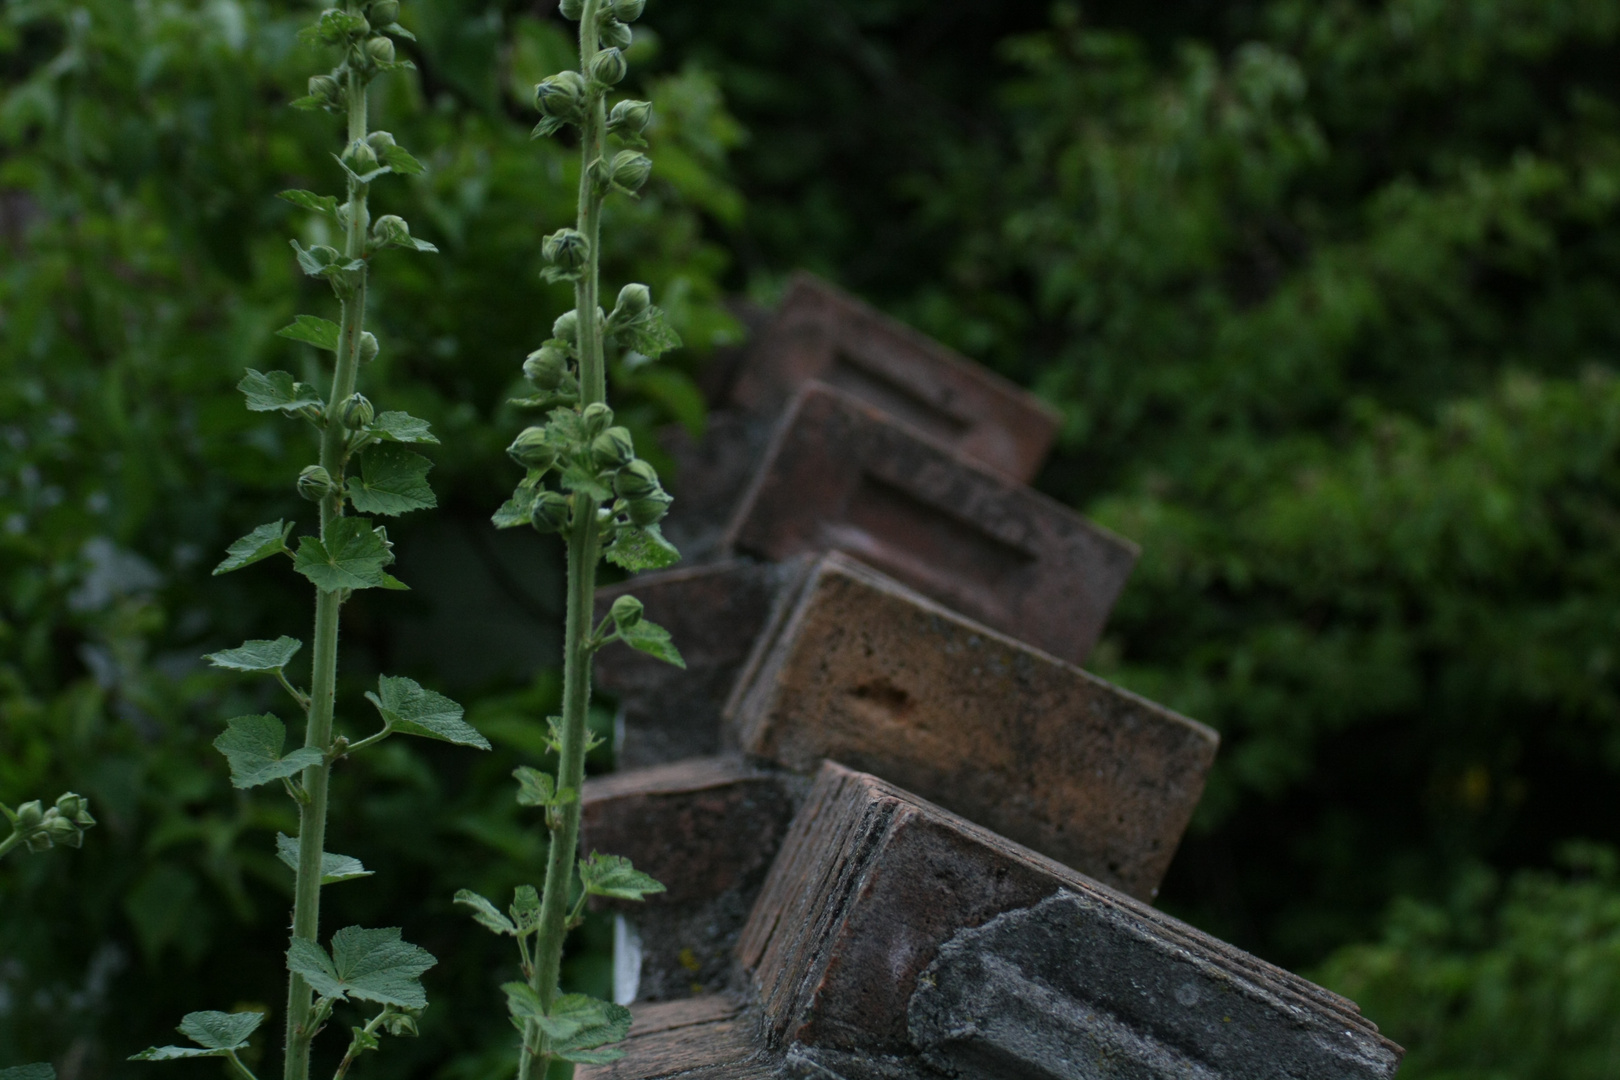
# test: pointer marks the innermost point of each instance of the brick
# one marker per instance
(867, 672)
(715, 613)
(708, 829)
(706, 1038)
(842, 476)
(821, 333)
(889, 926)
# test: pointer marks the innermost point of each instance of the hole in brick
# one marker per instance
(853, 375)
(883, 697)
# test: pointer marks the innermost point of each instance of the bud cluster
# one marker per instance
(62, 825)
(592, 453)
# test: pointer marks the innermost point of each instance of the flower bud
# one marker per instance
(567, 326)
(626, 612)
(595, 419)
(628, 10)
(551, 512)
(381, 50)
(315, 483)
(360, 157)
(613, 448)
(562, 96)
(616, 34)
(390, 229)
(63, 831)
(566, 249)
(571, 9)
(76, 807)
(636, 480)
(30, 815)
(649, 509)
(384, 12)
(368, 346)
(357, 412)
(608, 67)
(380, 141)
(629, 118)
(634, 299)
(325, 87)
(630, 169)
(531, 450)
(545, 367)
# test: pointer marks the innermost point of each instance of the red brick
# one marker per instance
(841, 475)
(706, 1038)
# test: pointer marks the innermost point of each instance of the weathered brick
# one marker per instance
(715, 613)
(867, 672)
(889, 926)
(707, 829)
(820, 333)
(842, 476)
(705, 1038)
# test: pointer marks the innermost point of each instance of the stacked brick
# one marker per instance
(905, 834)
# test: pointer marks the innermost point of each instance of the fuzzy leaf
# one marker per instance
(350, 556)
(651, 335)
(516, 510)
(652, 639)
(257, 655)
(253, 745)
(575, 478)
(577, 1023)
(485, 913)
(400, 427)
(220, 1030)
(334, 868)
(641, 548)
(320, 204)
(370, 965)
(526, 908)
(411, 710)
(613, 876)
(261, 543)
(400, 160)
(392, 481)
(172, 1053)
(536, 788)
(277, 392)
(312, 331)
(41, 1071)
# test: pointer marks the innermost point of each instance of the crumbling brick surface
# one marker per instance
(840, 475)
(705, 1038)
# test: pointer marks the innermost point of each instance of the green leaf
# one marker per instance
(577, 1022)
(320, 204)
(174, 1053)
(613, 876)
(257, 655)
(576, 478)
(526, 908)
(651, 335)
(652, 639)
(523, 1003)
(220, 1030)
(400, 160)
(312, 331)
(42, 1071)
(398, 31)
(411, 710)
(392, 481)
(334, 868)
(323, 261)
(334, 27)
(369, 965)
(253, 745)
(277, 392)
(261, 543)
(486, 913)
(641, 548)
(349, 556)
(400, 427)
(536, 788)
(518, 509)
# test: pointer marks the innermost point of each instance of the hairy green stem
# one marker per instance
(10, 842)
(323, 680)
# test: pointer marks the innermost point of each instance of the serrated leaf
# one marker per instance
(220, 1030)
(392, 481)
(400, 160)
(516, 510)
(323, 261)
(261, 543)
(41, 1071)
(613, 876)
(320, 204)
(485, 913)
(253, 745)
(641, 548)
(577, 1022)
(312, 331)
(575, 478)
(410, 710)
(370, 965)
(651, 335)
(276, 391)
(526, 907)
(334, 868)
(365, 177)
(400, 427)
(257, 655)
(350, 555)
(654, 640)
(174, 1053)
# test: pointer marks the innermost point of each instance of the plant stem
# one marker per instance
(10, 842)
(583, 552)
(323, 680)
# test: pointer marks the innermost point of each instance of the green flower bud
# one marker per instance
(400, 1025)
(613, 448)
(608, 67)
(30, 815)
(562, 96)
(567, 326)
(380, 141)
(571, 9)
(634, 300)
(629, 118)
(626, 612)
(315, 483)
(384, 12)
(326, 88)
(77, 808)
(357, 412)
(531, 450)
(616, 34)
(595, 419)
(38, 840)
(636, 480)
(63, 831)
(545, 367)
(368, 346)
(649, 509)
(360, 157)
(551, 512)
(630, 169)
(390, 229)
(566, 249)
(381, 50)
(628, 10)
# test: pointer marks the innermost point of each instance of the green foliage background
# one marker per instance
(1329, 293)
